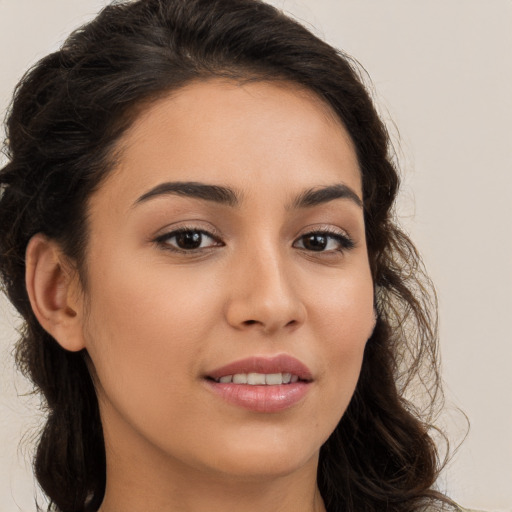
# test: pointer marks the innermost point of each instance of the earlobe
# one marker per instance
(52, 289)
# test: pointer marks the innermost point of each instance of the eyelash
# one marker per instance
(163, 240)
(345, 243)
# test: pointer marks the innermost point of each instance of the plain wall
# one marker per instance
(442, 73)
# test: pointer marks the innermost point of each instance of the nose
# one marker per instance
(262, 295)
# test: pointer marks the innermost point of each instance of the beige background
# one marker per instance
(442, 72)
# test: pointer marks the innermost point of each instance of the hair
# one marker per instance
(69, 112)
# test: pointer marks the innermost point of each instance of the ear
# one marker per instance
(54, 292)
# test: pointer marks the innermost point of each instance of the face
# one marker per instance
(229, 294)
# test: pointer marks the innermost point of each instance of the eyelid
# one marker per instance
(169, 233)
(188, 225)
(345, 240)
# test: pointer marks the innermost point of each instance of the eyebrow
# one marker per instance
(320, 195)
(215, 193)
(224, 195)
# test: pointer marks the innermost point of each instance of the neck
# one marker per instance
(140, 478)
(139, 490)
(200, 495)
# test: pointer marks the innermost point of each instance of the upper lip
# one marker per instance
(282, 363)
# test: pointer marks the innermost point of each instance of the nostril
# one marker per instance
(248, 323)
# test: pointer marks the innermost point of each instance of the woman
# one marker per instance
(196, 226)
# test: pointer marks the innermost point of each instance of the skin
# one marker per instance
(155, 320)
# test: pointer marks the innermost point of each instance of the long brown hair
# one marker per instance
(66, 116)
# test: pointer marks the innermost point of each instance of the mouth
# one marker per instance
(262, 384)
(259, 379)
(279, 369)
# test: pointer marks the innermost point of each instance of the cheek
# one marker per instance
(145, 326)
(345, 312)
(344, 306)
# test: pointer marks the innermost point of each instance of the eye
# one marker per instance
(324, 241)
(188, 240)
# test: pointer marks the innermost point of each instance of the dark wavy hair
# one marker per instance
(67, 115)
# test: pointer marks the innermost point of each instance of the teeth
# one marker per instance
(273, 378)
(240, 378)
(255, 378)
(259, 379)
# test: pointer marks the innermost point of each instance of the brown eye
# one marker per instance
(315, 242)
(324, 241)
(188, 240)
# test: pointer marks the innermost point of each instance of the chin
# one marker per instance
(257, 468)
(276, 454)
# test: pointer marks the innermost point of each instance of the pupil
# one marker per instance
(189, 240)
(315, 242)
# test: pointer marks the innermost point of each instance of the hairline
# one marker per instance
(136, 112)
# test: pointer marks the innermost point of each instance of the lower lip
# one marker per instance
(261, 398)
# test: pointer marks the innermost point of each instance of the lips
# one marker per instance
(265, 385)
(282, 363)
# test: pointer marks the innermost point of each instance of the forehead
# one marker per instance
(237, 134)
